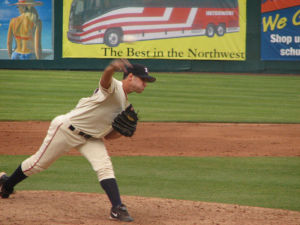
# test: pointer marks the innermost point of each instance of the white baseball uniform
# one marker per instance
(83, 128)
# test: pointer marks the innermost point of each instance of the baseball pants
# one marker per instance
(59, 140)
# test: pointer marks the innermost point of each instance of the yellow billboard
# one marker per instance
(155, 29)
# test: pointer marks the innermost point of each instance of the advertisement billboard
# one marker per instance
(166, 29)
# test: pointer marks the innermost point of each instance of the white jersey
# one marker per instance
(94, 115)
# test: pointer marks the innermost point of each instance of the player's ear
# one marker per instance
(130, 76)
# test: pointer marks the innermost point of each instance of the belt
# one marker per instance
(87, 136)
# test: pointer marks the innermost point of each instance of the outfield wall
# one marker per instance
(252, 64)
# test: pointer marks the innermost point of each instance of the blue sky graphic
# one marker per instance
(8, 11)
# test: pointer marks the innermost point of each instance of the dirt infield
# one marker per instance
(152, 139)
(172, 139)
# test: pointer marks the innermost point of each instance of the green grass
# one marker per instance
(271, 182)
(41, 95)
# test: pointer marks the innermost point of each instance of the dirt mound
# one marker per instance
(53, 207)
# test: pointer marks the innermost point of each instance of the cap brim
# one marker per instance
(148, 78)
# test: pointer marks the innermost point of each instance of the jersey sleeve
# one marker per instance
(109, 90)
(100, 94)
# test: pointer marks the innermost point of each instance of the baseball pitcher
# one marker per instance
(106, 114)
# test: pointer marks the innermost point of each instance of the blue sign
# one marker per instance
(280, 34)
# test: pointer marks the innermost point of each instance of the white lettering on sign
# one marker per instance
(276, 38)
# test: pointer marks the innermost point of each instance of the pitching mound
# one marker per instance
(152, 139)
(50, 207)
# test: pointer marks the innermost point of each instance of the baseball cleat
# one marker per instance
(120, 213)
(3, 179)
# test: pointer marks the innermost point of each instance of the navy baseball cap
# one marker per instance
(139, 70)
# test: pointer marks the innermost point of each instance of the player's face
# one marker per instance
(138, 84)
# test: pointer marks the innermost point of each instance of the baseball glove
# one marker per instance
(125, 123)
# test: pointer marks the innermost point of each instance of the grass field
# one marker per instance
(263, 181)
(271, 182)
(41, 95)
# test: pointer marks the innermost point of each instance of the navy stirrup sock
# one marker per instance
(111, 188)
(14, 179)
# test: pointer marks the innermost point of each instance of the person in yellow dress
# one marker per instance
(26, 31)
